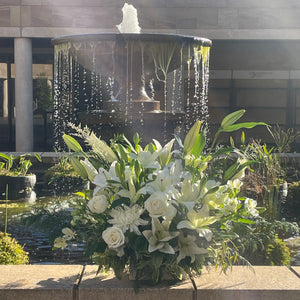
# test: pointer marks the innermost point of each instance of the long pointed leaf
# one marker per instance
(191, 137)
(232, 118)
(199, 145)
(242, 125)
(72, 143)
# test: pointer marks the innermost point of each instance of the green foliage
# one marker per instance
(63, 178)
(228, 124)
(259, 242)
(278, 254)
(283, 138)
(263, 182)
(42, 93)
(12, 165)
(11, 253)
(291, 205)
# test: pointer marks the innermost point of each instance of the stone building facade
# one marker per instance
(255, 58)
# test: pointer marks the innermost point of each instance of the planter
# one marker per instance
(19, 187)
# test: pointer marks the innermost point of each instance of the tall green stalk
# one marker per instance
(6, 201)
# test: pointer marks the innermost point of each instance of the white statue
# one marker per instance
(130, 23)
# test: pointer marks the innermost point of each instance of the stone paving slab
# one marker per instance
(38, 282)
(94, 287)
(296, 269)
(259, 283)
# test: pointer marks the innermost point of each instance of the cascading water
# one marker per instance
(153, 84)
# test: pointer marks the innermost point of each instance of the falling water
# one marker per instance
(130, 83)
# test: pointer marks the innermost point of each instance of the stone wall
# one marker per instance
(217, 19)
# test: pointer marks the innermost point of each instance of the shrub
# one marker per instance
(11, 253)
(291, 207)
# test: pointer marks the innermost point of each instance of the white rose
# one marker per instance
(98, 204)
(113, 237)
(158, 205)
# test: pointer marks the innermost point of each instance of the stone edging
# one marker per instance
(76, 282)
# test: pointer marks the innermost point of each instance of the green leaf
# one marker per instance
(222, 151)
(120, 201)
(242, 125)
(38, 157)
(122, 152)
(137, 168)
(72, 143)
(191, 137)
(178, 140)
(5, 156)
(243, 138)
(246, 221)
(232, 118)
(199, 145)
(78, 167)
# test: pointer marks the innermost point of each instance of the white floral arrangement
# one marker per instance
(156, 210)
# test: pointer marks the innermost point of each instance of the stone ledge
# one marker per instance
(40, 282)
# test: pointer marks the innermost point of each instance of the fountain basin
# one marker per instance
(112, 79)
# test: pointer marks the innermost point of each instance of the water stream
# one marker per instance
(130, 82)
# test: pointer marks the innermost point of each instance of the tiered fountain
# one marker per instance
(153, 84)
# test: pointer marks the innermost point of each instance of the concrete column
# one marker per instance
(23, 94)
(5, 98)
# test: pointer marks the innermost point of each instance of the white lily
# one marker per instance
(146, 159)
(190, 193)
(166, 180)
(197, 220)
(159, 237)
(187, 247)
(164, 153)
(101, 178)
(89, 168)
(131, 192)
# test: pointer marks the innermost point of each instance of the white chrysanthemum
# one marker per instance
(128, 218)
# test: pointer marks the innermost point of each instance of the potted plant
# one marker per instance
(14, 177)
